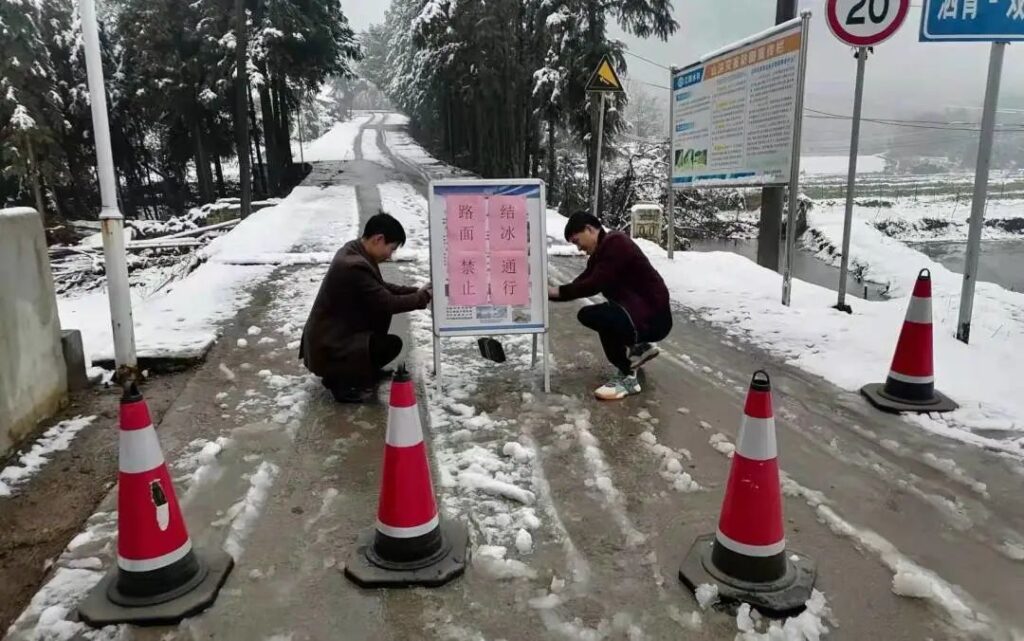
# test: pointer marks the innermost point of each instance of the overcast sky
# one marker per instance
(904, 77)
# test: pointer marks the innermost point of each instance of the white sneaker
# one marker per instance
(641, 353)
(618, 388)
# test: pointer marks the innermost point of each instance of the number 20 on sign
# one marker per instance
(865, 23)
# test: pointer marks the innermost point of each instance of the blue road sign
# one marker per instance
(972, 20)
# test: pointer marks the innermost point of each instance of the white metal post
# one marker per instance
(437, 359)
(851, 178)
(597, 159)
(671, 198)
(111, 220)
(988, 123)
(547, 363)
(794, 167)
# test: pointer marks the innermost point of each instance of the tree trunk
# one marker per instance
(202, 163)
(284, 138)
(219, 172)
(37, 190)
(552, 162)
(269, 142)
(261, 169)
(241, 119)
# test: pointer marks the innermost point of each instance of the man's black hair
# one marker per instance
(386, 225)
(578, 221)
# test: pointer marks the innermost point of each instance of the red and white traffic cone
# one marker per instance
(910, 385)
(160, 579)
(410, 545)
(747, 556)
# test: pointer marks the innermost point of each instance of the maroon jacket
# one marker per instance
(621, 272)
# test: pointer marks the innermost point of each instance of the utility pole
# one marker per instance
(241, 111)
(111, 220)
(769, 227)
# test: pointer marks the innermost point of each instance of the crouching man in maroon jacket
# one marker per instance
(637, 313)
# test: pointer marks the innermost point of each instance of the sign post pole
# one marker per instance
(862, 25)
(794, 167)
(998, 23)
(988, 122)
(851, 178)
(670, 203)
(597, 158)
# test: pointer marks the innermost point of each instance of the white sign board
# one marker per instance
(488, 259)
(733, 113)
(645, 222)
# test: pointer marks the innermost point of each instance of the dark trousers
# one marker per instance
(617, 333)
(383, 349)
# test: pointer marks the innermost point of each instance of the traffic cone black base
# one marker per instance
(367, 568)
(779, 597)
(875, 393)
(106, 605)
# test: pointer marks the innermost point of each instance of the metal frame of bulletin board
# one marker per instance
(483, 261)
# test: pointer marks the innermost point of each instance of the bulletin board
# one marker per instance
(488, 259)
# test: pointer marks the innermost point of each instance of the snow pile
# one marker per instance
(243, 514)
(671, 469)
(852, 350)
(336, 144)
(809, 625)
(707, 595)
(56, 439)
(490, 559)
(839, 165)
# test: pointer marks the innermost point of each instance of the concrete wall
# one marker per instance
(33, 381)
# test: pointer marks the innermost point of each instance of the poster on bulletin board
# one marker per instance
(488, 258)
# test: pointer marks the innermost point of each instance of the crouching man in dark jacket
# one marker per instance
(346, 340)
(637, 313)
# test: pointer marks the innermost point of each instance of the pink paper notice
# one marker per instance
(510, 278)
(467, 278)
(507, 216)
(467, 219)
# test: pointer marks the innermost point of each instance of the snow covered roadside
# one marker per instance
(55, 439)
(336, 144)
(852, 350)
(181, 320)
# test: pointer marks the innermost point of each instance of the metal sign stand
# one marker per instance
(851, 178)
(988, 123)
(670, 209)
(794, 168)
(597, 158)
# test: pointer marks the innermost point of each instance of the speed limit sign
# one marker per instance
(865, 23)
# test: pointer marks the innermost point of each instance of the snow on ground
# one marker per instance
(370, 149)
(839, 165)
(557, 244)
(336, 144)
(55, 439)
(851, 350)
(809, 625)
(181, 319)
(925, 219)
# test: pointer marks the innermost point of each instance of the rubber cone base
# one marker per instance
(783, 597)
(362, 569)
(875, 393)
(98, 610)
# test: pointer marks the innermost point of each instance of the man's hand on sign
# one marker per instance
(426, 294)
(552, 293)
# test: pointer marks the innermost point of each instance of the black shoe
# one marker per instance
(352, 394)
(641, 353)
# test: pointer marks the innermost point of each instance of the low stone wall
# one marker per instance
(33, 379)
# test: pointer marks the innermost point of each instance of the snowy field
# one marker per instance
(336, 144)
(838, 165)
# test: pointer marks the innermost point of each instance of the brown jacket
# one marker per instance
(353, 303)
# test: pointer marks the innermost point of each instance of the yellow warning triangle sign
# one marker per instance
(604, 78)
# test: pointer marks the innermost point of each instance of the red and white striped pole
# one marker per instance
(410, 544)
(910, 385)
(746, 557)
(160, 579)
